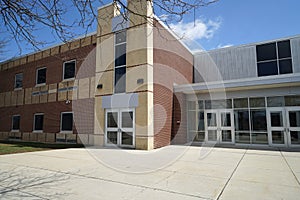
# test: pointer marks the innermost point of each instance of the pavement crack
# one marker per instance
(290, 167)
(227, 182)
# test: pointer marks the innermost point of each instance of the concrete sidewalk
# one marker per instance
(173, 172)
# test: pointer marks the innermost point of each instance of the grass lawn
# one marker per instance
(9, 147)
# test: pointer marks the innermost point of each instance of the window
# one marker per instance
(19, 80)
(38, 122)
(69, 69)
(41, 76)
(16, 123)
(274, 58)
(120, 62)
(66, 121)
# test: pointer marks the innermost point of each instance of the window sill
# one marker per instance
(66, 132)
(38, 131)
(41, 84)
(15, 131)
(69, 79)
(17, 89)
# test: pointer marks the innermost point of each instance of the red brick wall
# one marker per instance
(179, 125)
(173, 64)
(54, 66)
(83, 116)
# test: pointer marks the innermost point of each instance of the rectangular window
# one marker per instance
(66, 121)
(120, 62)
(19, 80)
(41, 76)
(69, 69)
(16, 122)
(274, 58)
(38, 122)
(258, 120)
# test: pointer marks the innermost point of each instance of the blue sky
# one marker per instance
(225, 23)
(242, 22)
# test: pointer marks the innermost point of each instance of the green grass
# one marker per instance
(10, 147)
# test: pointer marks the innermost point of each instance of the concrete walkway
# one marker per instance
(173, 172)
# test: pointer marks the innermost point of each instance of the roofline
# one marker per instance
(249, 44)
(49, 47)
(247, 82)
(172, 33)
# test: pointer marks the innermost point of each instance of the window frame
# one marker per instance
(12, 123)
(37, 74)
(277, 59)
(119, 66)
(64, 65)
(61, 122)
(37, 131)
(18, 88)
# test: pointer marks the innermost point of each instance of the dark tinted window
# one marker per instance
(19, 80)
(257, 102)
(16, 123)
(69, 70)
(201, 126)
(112, 119)
(267, 68)
(266, 52)
(38, 122)
(259, 120)
(41, 76)
(120, 55)
(284, 49)
(120, 80)
(241, 120)
(285, 66)
(67, 122)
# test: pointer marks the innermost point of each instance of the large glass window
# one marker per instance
(38, 122)
(69, 69)
(274, 58)
(120, 62)
(242, 129)
(19, 80)
(292, 100)
(259, 133)
(218, 104)
(41, 76)
(66, 121)
(16, 122)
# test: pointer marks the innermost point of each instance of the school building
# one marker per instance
(134, 84)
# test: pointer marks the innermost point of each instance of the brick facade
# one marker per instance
(56, 96)
(173, 64)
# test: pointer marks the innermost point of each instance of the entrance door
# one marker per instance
(219, 126)
(276, 127)
(212, 126)
(120, 128)
(293, 126)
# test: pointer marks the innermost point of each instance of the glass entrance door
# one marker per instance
(219, 126)
(120, 128)
(226, 126)
(276, 127)
(212, 126)
(293, 126)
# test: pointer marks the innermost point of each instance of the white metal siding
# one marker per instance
(295, 46)
(226, 64)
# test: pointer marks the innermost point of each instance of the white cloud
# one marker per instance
(220, 46)
(196, 30)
